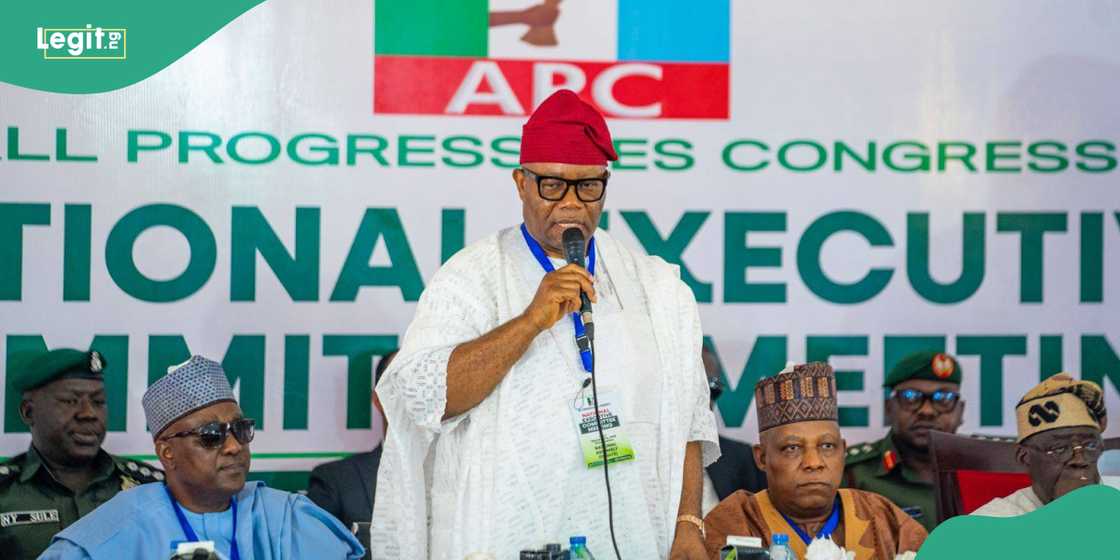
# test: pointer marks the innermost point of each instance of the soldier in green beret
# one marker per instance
(64, 474)
(924, 396)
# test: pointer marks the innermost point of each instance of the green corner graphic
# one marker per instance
(1069, 527)
(99, 46)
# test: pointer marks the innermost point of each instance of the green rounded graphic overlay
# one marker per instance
(1077, 525)
(98, 46)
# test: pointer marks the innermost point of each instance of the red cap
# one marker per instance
(566, 129)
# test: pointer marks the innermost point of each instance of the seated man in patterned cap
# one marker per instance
(925, 396)
(65, 473)
(802, 453)
(1060, 425)
(202, 439)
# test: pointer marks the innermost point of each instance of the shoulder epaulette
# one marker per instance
(862, 452)
(11, 468)
(135, 473)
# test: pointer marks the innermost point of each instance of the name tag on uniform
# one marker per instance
(582, 408)
(14, 518)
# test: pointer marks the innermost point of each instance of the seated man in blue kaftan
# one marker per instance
(192, 413)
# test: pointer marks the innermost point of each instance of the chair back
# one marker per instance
(970, 471)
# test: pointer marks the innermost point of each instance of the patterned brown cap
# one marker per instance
(804, 393)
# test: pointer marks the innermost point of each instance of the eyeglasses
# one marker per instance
(1090, 450)
(554, 189)
(213, 434)
(913, 399)
(715, 388)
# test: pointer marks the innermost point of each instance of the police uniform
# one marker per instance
(33, 505)
(877, 467)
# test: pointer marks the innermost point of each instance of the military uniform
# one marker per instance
(876, 467)
(34, 506)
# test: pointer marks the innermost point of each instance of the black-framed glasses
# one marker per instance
(715, 388)
(554, 189)
(213, 434)
(1090, 450)
(912, 399)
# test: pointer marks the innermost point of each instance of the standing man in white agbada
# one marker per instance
(485, 453)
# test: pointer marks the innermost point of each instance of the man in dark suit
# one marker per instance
(345, 487)
(735, 469)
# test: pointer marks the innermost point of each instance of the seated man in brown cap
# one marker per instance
(802, 453)
(1060, 424)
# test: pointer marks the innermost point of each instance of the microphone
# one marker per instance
(574, 248)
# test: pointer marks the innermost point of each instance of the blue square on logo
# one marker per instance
(674, 30)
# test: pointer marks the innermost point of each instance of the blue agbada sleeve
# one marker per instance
(287, 525)
(317, 534)
(271, 525)
(64, 550)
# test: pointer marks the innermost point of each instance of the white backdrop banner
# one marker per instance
(845, 182)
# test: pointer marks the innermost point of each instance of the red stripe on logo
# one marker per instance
(479, 86)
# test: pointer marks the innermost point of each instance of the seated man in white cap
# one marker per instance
(192, 414)
(1060, 424)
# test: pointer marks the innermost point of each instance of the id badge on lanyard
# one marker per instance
(582, 407)
(619, 448)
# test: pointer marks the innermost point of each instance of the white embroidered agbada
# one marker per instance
(1017, 503)
(508, 474)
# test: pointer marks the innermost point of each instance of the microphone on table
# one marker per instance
(574, 248)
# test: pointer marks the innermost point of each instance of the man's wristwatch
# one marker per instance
(699, 523)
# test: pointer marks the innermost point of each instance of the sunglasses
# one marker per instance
(913, 399)
(213, 434)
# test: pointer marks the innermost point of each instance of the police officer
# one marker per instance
(924, 396)
(64, 474)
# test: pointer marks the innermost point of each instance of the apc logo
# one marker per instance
(1047, 412)
(88, 43)
(653, 59)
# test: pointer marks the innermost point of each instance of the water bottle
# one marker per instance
(779, 548)
(579, 549)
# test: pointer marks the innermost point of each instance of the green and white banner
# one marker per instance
(272, 183)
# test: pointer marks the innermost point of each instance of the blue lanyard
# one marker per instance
(189, 531)
(826, 531)
(546, 264)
